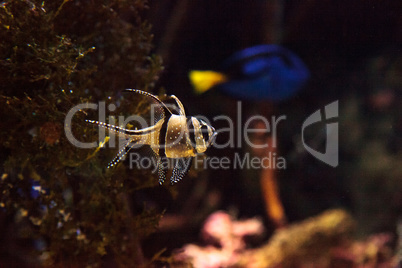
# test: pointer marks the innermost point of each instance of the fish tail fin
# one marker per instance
(202, 81)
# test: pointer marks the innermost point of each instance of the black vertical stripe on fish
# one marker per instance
(162, 138)
(204, 132)
(191, 131)
(162, 159)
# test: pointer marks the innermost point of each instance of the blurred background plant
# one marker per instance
(353, 53)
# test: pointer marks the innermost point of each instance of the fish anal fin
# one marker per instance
(162, 169)
(159, 163)
(181, 169)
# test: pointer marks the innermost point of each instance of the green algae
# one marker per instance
(53, 56)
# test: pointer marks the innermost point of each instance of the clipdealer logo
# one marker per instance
(331, 154)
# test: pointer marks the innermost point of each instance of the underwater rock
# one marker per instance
(309, 240)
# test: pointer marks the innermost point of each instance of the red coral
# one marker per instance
(228, 233)
(50, 132)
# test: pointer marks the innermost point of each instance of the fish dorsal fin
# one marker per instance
(161, 108)
(162, 105)
(181, 107)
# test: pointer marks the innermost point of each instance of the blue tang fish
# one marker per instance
(263, 72)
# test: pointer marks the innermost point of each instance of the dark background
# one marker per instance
(352, 49)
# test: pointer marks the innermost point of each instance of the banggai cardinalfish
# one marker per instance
(261, 72)
(173, 135)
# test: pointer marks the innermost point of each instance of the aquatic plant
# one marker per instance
(59, 200)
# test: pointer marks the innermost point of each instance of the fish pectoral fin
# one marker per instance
(202, 81)
(181, 168)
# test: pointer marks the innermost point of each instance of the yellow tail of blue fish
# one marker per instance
(205, 80)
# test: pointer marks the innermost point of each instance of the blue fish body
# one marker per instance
(263, 72)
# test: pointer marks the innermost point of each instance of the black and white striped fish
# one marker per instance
(172, 136)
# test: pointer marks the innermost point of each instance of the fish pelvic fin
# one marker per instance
(202, 81)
